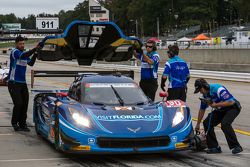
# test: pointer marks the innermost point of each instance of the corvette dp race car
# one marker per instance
(105, 113)
(110, 114)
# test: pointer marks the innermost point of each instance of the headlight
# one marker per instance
(179, 117)
(79, 118)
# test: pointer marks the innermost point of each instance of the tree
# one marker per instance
(172, 14)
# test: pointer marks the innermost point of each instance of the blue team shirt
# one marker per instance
(149, 71)
(177, 71)
(218, 93)
(18, 66)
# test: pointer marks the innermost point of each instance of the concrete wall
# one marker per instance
(237, 60)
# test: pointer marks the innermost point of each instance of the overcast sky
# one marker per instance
(21, 8)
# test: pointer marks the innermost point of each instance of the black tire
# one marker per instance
(36, 119)
(36, 128)
(57, 142)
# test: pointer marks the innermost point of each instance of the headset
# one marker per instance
(154, 44)
(202, 83)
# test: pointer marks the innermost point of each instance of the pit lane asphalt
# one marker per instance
(26, 149)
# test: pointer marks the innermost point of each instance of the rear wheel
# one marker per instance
(36, 128)
(36, 107)
(58, 140)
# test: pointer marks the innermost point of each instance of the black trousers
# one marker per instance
(20, 97)
(177, 93)
(226, 117)
(149, 87)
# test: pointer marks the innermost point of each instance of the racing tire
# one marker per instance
(36, 120)
(58, 140)
(36, 128)
(199, 142)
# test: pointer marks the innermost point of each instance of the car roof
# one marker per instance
(106, 79)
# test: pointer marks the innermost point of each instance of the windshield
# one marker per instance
(113, 93)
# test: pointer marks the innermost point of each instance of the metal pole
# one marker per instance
(158, 28)
(142, 29)
(136, 28)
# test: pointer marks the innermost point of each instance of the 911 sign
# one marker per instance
(47, 23)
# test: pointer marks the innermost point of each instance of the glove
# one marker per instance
(206, 100)
(41, 44)
(163, 80)
(139, 50)
(197, 128)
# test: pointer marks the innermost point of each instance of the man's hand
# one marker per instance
(197, 127)
(37, 47)
(139, 50)
(40, 45)
(213, 105)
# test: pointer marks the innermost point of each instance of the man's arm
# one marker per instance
(144, 57)
(33, 59)
(188, 78)
(165, 75)
(32, 51)
(203, 107)
(163, 81)
(200, 116)
(188, 74)
(136, 54)
(147, 59)
(28, 53)
(222, 104)
(225, 97)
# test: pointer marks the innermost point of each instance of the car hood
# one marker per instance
(133, 121)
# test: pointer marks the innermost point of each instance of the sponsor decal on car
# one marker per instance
(91, 141)
(108, 85)
(175, 103)
(174, 138)
(134, 130)
(128, 117)
(123, 108)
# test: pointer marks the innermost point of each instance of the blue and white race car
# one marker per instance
(110, 114)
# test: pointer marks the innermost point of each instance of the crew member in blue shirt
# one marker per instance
(176, 70)
(225, 109)
(149, 69)
(17, 83)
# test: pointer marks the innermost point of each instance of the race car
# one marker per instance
(110, 114)
(4, 71)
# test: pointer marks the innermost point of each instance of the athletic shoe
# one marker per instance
(214, 150)
(237, 150)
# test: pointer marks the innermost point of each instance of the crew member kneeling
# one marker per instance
(225, 109)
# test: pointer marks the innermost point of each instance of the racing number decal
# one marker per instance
(175, 103)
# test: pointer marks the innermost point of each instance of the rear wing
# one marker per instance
(45, 73)
(86, 41)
